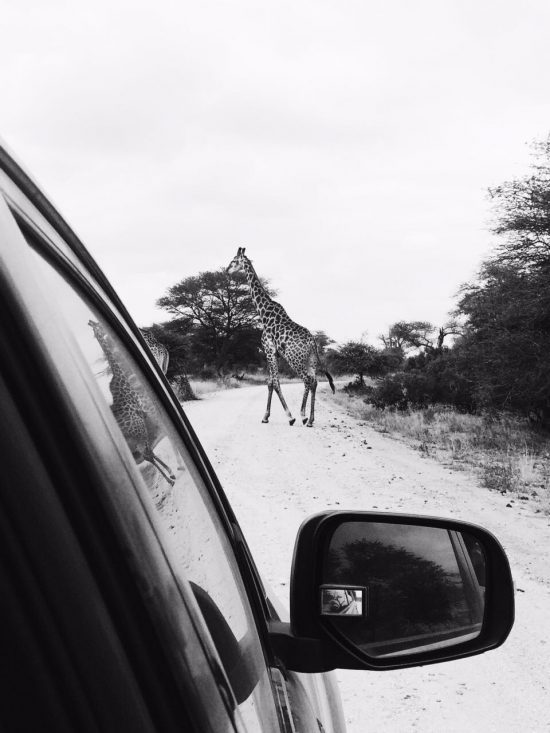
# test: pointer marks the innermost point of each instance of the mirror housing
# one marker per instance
(372, 590)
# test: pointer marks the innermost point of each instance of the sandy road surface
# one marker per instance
(276, 475)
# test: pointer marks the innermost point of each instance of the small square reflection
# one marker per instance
(343, 601)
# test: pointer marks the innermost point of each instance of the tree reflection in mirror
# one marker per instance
(425, 586)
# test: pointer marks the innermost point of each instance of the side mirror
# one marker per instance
(382, 591)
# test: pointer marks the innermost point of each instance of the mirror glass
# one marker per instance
(409, 588)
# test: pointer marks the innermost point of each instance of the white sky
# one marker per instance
(347, 145)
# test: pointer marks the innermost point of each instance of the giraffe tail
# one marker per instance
(330, 381)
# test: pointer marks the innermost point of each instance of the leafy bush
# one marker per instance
(356, 357)
(358, 388)
(390, 392)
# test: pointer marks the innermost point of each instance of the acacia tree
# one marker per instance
(218, 312)
(356, 357)
(405, 335)
(522, 208)
(322, 341)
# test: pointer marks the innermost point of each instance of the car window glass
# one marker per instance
(198, 540)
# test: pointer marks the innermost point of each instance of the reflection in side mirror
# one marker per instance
(343, 601)
(425, 587)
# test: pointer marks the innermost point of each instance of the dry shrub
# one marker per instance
(509, 455)
(499, 476)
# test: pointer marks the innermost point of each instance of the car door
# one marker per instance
(124, 437)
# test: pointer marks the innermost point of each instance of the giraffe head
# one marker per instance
(238, 262)
(99, 331)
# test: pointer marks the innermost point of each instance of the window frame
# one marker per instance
(118, 319)
(61, 246)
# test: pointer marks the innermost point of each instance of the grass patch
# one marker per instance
(506, 453)
(205, 387)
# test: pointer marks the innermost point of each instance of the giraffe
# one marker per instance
(159, 351)
(281, 335)
(128, 408)
(180, 382)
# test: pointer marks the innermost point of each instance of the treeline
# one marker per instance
(500, 357)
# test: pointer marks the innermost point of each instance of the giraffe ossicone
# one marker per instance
(281, 336)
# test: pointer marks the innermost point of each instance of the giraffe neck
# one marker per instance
(257, 291)
(116, 369)
(103, 339)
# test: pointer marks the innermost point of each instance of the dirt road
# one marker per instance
(276, 475)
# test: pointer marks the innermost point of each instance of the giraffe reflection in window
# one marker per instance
(134, 412)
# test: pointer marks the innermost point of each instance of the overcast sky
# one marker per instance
(347, 145)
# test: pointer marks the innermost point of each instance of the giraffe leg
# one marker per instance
(271, 356)
(277, 387)
(304, 402)
(164, 465)
(273, 381)
(160, 465)
(170, 479)
(268, 408)
(313, 387)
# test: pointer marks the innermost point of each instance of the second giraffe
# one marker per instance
(282, 336)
